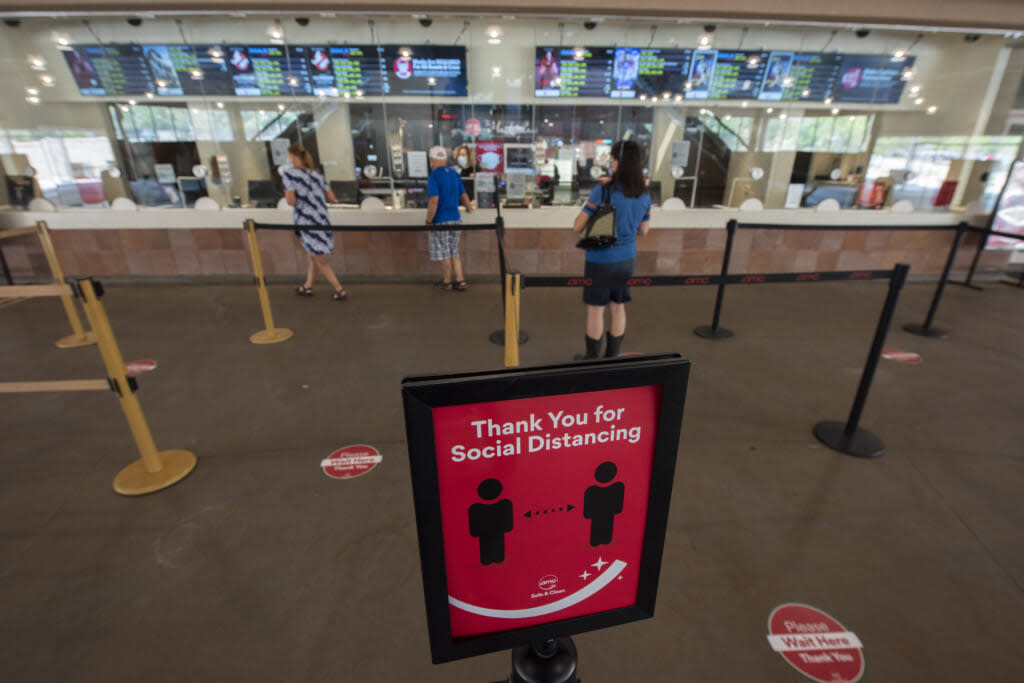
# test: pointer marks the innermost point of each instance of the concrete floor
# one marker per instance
(257, 567)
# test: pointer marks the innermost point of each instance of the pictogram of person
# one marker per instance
(602, 503)
(490, 522)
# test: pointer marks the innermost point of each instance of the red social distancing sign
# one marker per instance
(544, 505)
(815, 644)
(542, 497)
(351, 461)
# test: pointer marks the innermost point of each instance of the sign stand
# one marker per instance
(549, 661)
(541, 499)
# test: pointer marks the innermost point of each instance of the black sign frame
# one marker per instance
(421, 394)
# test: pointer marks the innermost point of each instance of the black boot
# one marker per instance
(593, 349)
(614, 345)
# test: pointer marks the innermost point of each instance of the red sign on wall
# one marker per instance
(544, 505)
(542, 497)
(490, 156)
(815, 644)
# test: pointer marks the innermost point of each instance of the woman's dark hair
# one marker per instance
(630, 174)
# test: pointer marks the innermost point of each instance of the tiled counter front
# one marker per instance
(391, 255)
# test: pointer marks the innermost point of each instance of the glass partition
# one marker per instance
(108, 113)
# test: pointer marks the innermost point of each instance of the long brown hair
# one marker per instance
(629, 177)
(302, 154)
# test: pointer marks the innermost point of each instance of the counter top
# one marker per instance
(544, 218)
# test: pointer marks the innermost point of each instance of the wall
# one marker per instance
(993, 14)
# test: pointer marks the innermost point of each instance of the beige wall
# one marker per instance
(991, 14)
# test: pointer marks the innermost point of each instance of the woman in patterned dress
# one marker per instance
(307, 193)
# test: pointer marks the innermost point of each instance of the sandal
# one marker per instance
(461, 286)
(303, 290)
(340, 295)
(444, 286)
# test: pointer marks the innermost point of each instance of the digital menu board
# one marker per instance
(876, 79)
(189, 69)
(623, 72)
(109, 69)
(793, 76)
(269, 70)
(426, 70)
(725, 75)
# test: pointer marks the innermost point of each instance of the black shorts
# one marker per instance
(596, 295)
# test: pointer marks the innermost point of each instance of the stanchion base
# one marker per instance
(498, 337)
(73, 341)
(922, 331)
(863, 444)
(272, 336)
(136, 480)
(709, 332)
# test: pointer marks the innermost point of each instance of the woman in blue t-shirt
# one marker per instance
(632, 216)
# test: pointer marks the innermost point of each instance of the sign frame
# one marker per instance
(422, 394)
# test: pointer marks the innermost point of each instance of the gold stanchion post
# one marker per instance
(79, 336)
(154, 470)
(270, 335)
(512, 290)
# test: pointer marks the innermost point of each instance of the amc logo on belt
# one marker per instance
(697, 281)
(639, 281)
(577, 281)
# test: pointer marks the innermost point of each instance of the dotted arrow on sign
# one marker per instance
(545, 511)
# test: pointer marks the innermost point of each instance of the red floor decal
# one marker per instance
(815, 644)
(908, 357)
(351, 461)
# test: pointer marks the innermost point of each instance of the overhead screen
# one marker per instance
(268, 70)
(629, 73)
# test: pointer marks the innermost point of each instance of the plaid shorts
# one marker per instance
(444, 244)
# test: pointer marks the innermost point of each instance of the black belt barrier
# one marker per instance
(273, 335)
(714, 331)
(848, 437)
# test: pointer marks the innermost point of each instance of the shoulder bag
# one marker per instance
(599, 232)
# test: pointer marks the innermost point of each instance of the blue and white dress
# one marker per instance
(310, 208)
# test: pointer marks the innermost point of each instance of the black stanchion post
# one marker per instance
(714, 331)
(549, 661)
(498, 336)
(969, 282)
(849, 438)
(926, 329)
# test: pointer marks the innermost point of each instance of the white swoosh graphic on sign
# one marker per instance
(614, 569)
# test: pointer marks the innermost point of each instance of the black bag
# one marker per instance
(600, 230)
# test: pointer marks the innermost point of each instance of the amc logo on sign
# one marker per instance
(851, 78)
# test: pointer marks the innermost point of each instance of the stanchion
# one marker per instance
(926, 329)
(849, 438)
(498, 336)
(969, 281)
(270, 334)
(513, 290)
(154, 470)
(79, 335)
(714, 331)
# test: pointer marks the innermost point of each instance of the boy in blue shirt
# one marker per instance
(446, 192)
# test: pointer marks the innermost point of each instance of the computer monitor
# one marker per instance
(345, 191)
(654, 188)
(191, 189)
(416, 197)
(263, 194)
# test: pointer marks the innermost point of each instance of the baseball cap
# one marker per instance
(437, 152)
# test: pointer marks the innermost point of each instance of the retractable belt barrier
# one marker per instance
(715, 331)
(271, 334)
(986, 232)
(154, 470)
(79, 335)
(848, 437)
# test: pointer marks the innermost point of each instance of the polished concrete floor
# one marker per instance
(257, 567)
